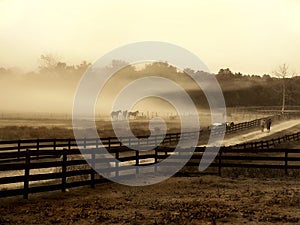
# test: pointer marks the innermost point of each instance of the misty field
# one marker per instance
(239, 196)
(33, 127)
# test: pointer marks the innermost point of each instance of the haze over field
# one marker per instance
(251, 37)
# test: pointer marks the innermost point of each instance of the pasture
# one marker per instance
(239, 195)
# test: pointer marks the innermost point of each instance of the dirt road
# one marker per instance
(258, 135)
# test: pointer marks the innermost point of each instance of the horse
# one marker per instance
(125, 113)
(134, 114)
(229, 125)
(115, 115)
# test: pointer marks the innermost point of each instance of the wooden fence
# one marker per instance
(114, 142)
(42, 165)
(268, 108)
(110, 143)
(284, 159)
(256, 123)
(52, 172)
(258, 145)
(248, 124)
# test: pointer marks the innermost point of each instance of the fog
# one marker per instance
(53, 92)
(36, 94)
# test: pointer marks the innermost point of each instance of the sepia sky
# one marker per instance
(253, 37)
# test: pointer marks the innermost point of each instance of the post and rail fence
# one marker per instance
(46, 164)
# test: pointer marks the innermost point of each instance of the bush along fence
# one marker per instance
(60, 166)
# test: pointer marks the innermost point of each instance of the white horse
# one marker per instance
(115, 115)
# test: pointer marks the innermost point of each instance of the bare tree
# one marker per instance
(48, 62)
(283, 73)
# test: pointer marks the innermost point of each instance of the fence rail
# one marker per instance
(111, 142)
(49, 164)
(258, 145)
(61, 168)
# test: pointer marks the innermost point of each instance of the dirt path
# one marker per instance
(205, 200)
(258, 135)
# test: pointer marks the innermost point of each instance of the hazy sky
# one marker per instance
(248, 36)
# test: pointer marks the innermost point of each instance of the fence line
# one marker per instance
(227, 157)
(42, 154)
(268, 143)
(230, 153)
(113, 142)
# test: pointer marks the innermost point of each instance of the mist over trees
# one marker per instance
(238, 89)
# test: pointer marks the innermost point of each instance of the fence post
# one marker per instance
(69, 144)
(93, 157)
(64, 171)
(19, 148)
(84, 143)
(286, 162)
(262, 144)
(37, 148)
(54, 144)
(137, 161)
(26, 175)
(155, 159)
(117, 163)
(220, 161)
(92, 169)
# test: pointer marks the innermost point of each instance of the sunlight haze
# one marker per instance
(252, 37)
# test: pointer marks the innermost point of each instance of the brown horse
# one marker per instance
(133, 114)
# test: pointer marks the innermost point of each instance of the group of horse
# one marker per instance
(115, 115)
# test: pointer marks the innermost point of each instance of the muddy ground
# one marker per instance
(204, 199)
(235, 198)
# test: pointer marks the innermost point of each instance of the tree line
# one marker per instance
(238, 89)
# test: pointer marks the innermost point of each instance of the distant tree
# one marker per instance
(61, 66)
(83, 66)
(283, 73)
(48, 62)
(116, 63)
(267, 77)
(238, 75)
(225, 74)
(189, 71)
